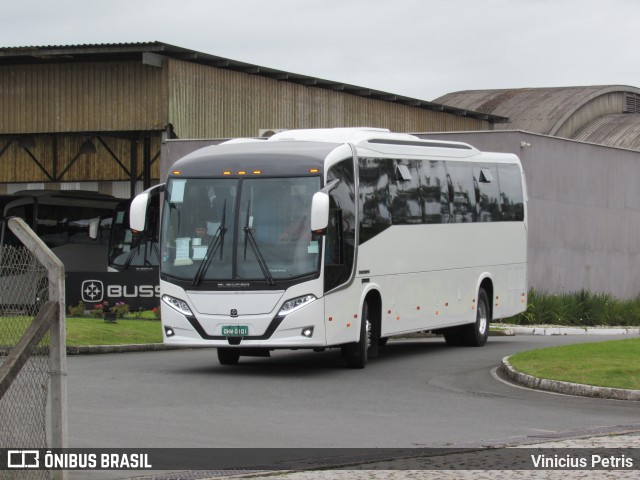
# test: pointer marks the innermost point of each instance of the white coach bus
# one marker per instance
(338, 238)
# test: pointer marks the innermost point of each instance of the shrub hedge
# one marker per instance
(579, 309)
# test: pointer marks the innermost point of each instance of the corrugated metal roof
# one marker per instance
(622, 131)
(538, 110)
(127, 51)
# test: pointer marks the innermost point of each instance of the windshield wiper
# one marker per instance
(218, 242)
(262, 263)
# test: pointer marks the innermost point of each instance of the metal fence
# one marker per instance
(32, 348)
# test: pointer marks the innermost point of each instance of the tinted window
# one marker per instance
(511, 196)
(485, 179)
(461, 192)
(434, 192)
(341, 232)
(374, 197)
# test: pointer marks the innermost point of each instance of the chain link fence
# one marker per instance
(29, 276)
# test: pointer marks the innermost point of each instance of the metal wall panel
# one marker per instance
(80, 97)
(206, 102)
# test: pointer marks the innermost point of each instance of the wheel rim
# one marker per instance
(482, 318)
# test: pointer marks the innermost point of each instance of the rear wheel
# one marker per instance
(476, 334)
(228, 356)
(356, 354)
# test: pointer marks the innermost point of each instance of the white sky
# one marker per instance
(417, 48)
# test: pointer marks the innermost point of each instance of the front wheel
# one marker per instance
(356, 354)
(228, 356)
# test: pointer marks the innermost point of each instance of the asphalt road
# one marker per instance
(417, 393)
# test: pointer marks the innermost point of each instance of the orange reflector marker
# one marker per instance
(226, 172)
(257, 172)
(398, 317)
(313, 170)
(176, 172)
(242, 172)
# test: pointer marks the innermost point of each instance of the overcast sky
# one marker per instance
(417, 48)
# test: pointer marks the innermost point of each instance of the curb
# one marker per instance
(141, 347)
(566, 388)
(548, 330)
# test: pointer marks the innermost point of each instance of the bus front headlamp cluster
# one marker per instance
(295, 304)
(177, 304)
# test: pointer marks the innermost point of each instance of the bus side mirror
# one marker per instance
(138, 211)
(139, 206)
(94, 223)
(319, 212)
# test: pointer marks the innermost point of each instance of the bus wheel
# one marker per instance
(228, 356)
(476, 334)
(356, 354)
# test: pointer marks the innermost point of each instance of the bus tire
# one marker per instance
(228, 356)
(356, 354)
(476, 334)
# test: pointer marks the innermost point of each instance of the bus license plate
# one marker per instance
(235, 330)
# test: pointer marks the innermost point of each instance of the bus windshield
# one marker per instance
(249, 229)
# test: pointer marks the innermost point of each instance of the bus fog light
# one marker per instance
(295, 303)
(307, 332)
(168, 331)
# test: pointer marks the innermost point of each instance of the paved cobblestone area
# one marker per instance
(394, 470)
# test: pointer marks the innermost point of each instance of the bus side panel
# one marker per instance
(442, 267)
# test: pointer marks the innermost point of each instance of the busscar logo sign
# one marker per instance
(92, 291)
(96, 291)
(137, 289)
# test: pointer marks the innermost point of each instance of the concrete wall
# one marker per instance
(584, 210)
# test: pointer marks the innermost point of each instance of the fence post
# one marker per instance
(58, 343)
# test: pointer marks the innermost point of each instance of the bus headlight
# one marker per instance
(177, 304)
(295, 304)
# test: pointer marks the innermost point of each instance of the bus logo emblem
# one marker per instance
(234, 312)
(92, 291)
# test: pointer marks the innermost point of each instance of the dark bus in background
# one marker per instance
(75, 225)
(88, 231)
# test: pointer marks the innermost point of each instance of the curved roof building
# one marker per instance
(607, 115)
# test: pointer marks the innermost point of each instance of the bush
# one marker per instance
(121, 309)
(77, 311)
(98, 309)
(579, 309)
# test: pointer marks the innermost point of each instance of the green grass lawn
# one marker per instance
(95, 331)
(614, 363)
